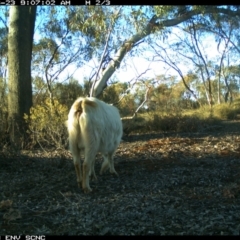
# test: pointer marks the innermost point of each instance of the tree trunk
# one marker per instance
(20, 40)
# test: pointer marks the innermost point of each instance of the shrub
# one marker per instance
(47, 124)
(225, 111)
(177, 122)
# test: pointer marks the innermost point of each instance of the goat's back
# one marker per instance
(98, 124)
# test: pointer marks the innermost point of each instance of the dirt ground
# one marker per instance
(168, 184)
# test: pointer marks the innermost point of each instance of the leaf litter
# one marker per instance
(168, 184)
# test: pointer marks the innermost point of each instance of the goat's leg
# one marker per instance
(105, 164)
(87, 168)
(85, 183)
(92, 173)
(111, 163)
(76, 153)
(78, 172)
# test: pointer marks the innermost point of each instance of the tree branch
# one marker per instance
(150, 28)
(141, 105)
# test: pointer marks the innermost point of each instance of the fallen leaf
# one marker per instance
(5, 204)
(12, 214)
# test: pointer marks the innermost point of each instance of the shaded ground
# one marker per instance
(169, 184)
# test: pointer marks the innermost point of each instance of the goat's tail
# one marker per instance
(88, 104)
(81, 105)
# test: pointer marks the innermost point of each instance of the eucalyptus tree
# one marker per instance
(156, 20)
(20, 38)
(68, 38)
(3, 67)
(108, 35)
(226, 34)
(189, 47)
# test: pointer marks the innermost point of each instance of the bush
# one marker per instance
(225, 111)
(47, 124)
(137, 124)
(177, 122)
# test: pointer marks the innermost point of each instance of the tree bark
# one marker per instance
(20, 40)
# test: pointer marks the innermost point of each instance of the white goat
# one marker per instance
(93, 126)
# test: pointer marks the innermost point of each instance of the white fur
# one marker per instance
(93, 126)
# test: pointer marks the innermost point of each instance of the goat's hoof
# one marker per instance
(87, 190)
(94, 179)
(115, 173)
(102, 171)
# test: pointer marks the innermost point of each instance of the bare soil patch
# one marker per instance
(168, 184)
